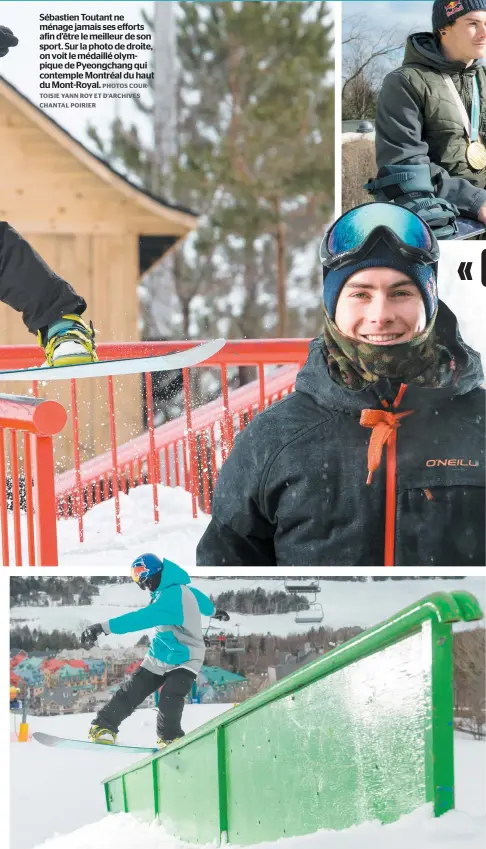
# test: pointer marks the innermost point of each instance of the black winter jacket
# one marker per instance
(28, 285)
(407, 114)
(293, 490)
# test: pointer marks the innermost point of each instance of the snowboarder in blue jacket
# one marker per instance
(175, 655)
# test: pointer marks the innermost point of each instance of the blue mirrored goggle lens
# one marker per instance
(352, 230)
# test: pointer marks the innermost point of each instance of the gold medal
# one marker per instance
(476, 155)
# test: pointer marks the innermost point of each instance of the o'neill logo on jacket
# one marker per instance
(460, 462)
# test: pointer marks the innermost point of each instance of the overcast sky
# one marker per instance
(412, 15)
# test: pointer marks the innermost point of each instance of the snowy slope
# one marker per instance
(59, 806)
(456, 830)
(343, 603)
(38, 774)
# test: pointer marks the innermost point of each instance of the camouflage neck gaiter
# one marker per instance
(353, 364)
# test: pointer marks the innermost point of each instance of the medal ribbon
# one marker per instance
(471, 126)
(475, 110)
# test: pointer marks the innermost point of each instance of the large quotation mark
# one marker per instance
(464, 270)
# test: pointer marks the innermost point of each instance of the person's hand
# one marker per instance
(482, 214)
(7, 40)
(90, 635)
(221, 615)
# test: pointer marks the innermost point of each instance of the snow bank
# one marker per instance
(351, 137)
(56, 806)
(455, 830)
(177, 533)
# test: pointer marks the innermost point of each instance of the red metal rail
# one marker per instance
(187, 451)
(38, 421)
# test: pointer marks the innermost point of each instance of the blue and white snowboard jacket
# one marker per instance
(175, 613)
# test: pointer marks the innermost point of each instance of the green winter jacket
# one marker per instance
(417, 121)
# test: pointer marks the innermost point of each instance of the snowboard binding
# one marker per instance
(68, 342)
(102, 735)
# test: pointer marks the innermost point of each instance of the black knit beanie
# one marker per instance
(447, 11)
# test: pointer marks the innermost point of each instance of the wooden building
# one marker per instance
(97, 230)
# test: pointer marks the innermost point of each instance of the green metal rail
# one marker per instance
(364, 732)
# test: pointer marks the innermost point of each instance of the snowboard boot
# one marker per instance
(102, 735)
(68, 342)
(162, 744)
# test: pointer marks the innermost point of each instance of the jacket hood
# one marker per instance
(314, 380)
(172, 574)
(422, 49)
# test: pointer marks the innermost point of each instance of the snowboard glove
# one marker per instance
(7, 40)
(221, 615)
(411, 186)
(90, 635)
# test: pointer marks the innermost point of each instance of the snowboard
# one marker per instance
(468, 228)
(133, 365)
(66, 743)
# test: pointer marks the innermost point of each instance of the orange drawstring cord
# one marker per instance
(383, 425)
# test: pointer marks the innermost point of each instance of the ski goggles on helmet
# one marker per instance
(140, 575)
(353, 236)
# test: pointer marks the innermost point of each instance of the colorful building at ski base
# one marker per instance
(363, 733)
(44, 678)
(34, 675)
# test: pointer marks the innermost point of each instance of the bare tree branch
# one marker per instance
(368, 47)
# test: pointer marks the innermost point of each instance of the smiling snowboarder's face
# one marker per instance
(381, 306)
(465, 40)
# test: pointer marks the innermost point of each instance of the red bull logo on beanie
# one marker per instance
(453, 8)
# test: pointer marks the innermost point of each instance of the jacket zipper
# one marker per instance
(391, 488)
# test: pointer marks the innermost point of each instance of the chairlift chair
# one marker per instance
(233, 645)
(302, 586)
(314, 614)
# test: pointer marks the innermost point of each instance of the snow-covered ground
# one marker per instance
(38, 774)
(351, 137)
(49, 811)
(343, 603)
(175, 536)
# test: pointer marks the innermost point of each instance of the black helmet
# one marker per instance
(7, 40)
